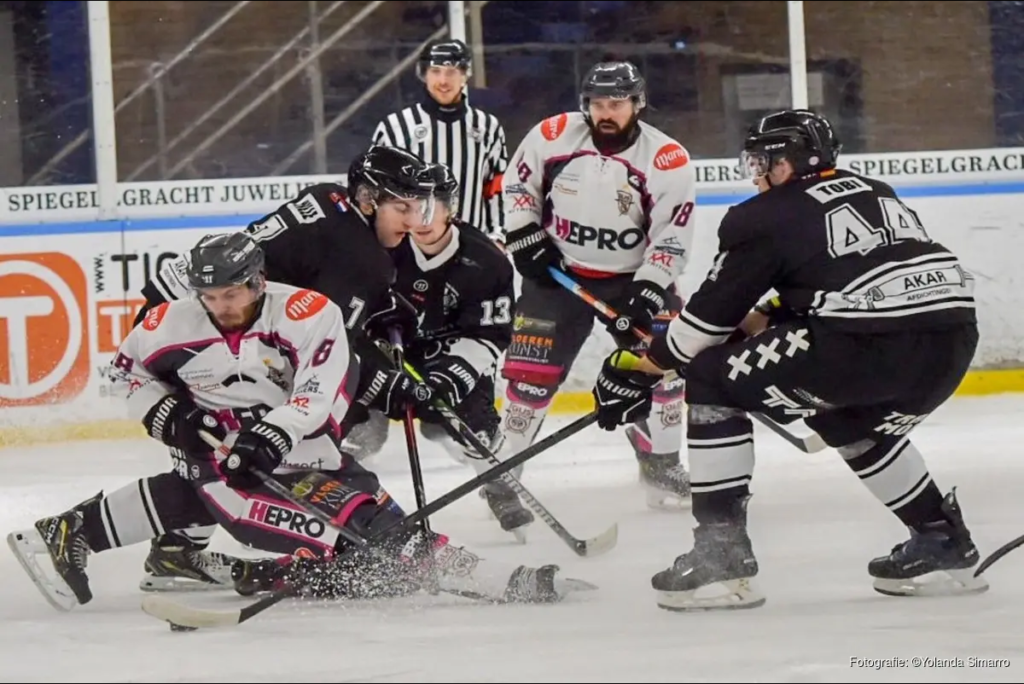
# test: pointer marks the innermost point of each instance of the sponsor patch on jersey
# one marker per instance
(305, 304)
(153, 317)
(671, 156)
(553, 127)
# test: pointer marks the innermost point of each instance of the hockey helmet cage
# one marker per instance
(447, 52)
(225, 260)
(617, 80)
(804, 138)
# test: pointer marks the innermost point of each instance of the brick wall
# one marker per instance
(926, 66)
(926, 69)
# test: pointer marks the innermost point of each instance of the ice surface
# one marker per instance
(813, 524)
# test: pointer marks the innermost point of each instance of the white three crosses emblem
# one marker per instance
(796, 340)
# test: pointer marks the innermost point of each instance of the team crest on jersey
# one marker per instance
(624, 199)
(451, 298)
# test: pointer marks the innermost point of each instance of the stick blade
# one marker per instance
(601, 544)
(163, 608)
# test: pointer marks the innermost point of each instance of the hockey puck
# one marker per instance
(175, 627)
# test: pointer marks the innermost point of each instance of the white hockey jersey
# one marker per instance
(292, 368)
(627, 213)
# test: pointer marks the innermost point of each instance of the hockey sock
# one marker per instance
(720, 445)
(662, 431)
(522, 415)
(895, 472)
(142, 510)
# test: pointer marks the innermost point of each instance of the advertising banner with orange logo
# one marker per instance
(71, 286)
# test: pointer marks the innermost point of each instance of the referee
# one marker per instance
(443, 128)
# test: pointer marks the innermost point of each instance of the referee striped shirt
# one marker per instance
(468, 141)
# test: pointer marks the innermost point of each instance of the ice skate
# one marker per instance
(937, 560)
(507, 509)
(665, 480)
(177, 563)
(63, 582)
(722, 558)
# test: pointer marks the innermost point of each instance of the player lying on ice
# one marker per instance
(876, 329)
(265, 368)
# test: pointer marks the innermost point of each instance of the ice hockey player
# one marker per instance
(874, 329)
(328, 238)
(265, 368)
(611, 200)
(463, 289)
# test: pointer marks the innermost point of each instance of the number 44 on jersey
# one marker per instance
(851, 232)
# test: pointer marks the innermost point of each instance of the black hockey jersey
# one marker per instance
(315, 241)
(465, 298)
(836, 246)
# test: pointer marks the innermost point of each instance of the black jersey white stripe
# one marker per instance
(470, 142)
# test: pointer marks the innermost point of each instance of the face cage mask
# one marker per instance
(754, 164)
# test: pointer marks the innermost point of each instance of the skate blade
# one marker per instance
(520, 534)
(179, 585)
(740, 594)
(27, 547)
(939, 583)
(661, 500)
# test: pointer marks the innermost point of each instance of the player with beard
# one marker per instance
(610, 200)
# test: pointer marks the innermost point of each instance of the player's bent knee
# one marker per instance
(856, 449)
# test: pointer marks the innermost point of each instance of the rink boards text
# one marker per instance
(69, 285)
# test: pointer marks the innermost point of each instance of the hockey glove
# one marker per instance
(533, 252)
(395, 311)
(622, 395)
(262, 447)
(393, 391)
(636, 307)
(176, 421)
(450, 379)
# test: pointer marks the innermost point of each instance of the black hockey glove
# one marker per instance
(176, 421)
(533, 252)
(262, 447)
(393, 391)
(450, 379)
(622, 396)
(394, 311)
(636, 307)
(382, 387)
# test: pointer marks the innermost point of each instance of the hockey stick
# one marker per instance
(999, 553)
(408, 422)
(189, 617)
(809, 445)
(455, 427)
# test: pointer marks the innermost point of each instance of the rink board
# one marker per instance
(69, 284)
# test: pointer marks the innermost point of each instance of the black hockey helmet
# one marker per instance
(445, 52)
(384, 172)
(617, 80)
(446, 186)
(802, 137)
(225, 260)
